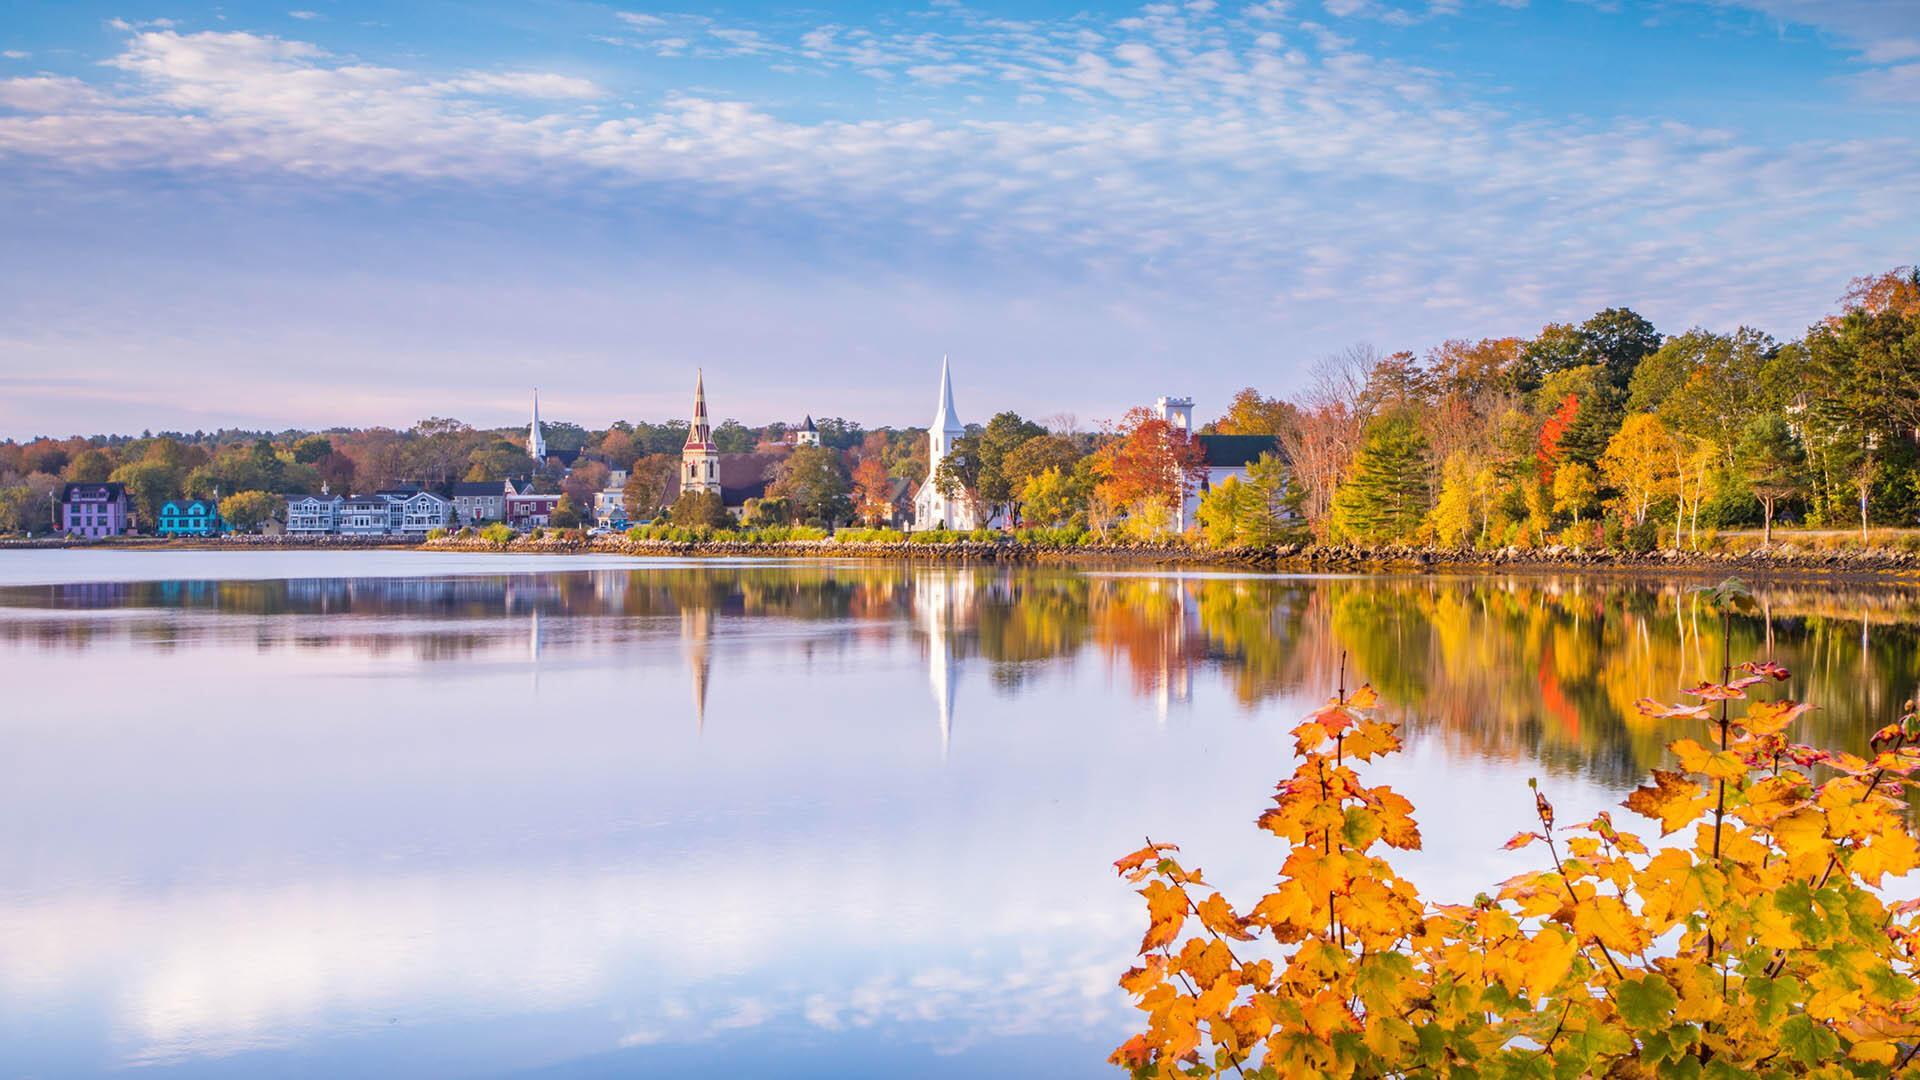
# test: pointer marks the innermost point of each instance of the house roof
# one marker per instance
(186, 506)
(471, 488)
(809, 425)
(1235, 451)
(303, 496)
(104, 490)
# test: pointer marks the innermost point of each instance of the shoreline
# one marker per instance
(1783, 561)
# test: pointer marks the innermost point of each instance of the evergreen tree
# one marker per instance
(1385, 496)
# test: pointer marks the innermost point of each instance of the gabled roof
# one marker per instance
(103, 490)
(809, 425)
(1236, 451)
(473, 488)
(742, 477)
(187, 506)
(303, 496)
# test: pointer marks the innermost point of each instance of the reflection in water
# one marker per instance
(1518, 667)
(323, 825)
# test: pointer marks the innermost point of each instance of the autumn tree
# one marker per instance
(1575, 486)
(872, 491)
(1639, 465)
(1148, 465)
(646, 488)
(701, 510)
(246, 511)
(1251, 414)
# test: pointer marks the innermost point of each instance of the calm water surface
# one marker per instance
(322, 814)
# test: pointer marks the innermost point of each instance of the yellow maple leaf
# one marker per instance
(1716, 764)
(1673, 800)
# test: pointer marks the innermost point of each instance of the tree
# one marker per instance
(1639, 464)
(498, 459)
(312, 449)
(811, 480)
(766, 512)
(246, 511)
(1250, 414)
(148, 485)
(701, 510)
(646, 488)
(566, 514)
(584, 480)
(1769, 461)
(1224, 512)
(1575, 486)
(1453, 512)
(1617, 339)
(1385, 496)
(1147, 463)
(1037, 455)
(872, 491)
(1261, 511)
(1053, 497)
(90, 466)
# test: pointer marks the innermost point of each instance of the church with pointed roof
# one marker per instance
(931, 508)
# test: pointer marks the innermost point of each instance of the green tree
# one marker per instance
(812, 481)
(701, 509)
(1224, 513)
(1771, 464)
(645, 491)
(1385, 496)
(90, 466)
(246, 511)
(565, 515)
(148, 483)
(312, 449)
(1054, 496)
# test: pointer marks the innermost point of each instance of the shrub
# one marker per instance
(436, 534)
(499, 534)
(871, 536)
(1764, 947)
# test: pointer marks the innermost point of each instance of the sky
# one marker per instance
(340, 213)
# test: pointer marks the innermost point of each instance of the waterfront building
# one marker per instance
(1221, 456)
(807, 434)
(95, 510)
(420, 512)
(527, 509)
(931, 509)
(477, 502)
(314, 515)
(699, 458)
(190, 517)
(610, 502)
(366, 515)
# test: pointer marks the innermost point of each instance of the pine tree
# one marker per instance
(1385, 496)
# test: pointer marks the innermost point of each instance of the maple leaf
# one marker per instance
(1364, 698)
(1134, 862)
(1661, 711)
(1768, 717)
(1717, 764)
(1217, 915)
(1673, 800)
(1766, 669)
(1166, 911)
(1715, 692)
(1522, 839)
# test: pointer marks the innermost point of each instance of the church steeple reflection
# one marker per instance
(940, 598)
(696, 632)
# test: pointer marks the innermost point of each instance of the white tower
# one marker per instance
(536, 442)
(931, 509)
(699, 459)
(1176, 411)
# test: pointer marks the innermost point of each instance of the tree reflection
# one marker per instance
(1519, 667)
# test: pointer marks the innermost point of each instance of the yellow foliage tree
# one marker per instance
(1756, 944)
(1639, 463)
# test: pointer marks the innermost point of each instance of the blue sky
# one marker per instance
(338, 213)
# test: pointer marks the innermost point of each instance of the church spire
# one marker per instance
(946, 419)
(699, 433)
(536, 439)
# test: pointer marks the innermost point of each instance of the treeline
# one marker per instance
(1611, 433)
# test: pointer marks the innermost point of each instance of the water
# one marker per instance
(323, 814)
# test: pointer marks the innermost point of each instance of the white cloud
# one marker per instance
(15, 54)
(527, 84)
(303, 15)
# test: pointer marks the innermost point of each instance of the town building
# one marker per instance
(420, 512)
(477, 502)
(95, 510)
(931, 508)
(610, 502)
(1221, 456)
(526, 509)
(366, 515)
(699, 458)
(190, 517)
(807, 434)
(314, 515)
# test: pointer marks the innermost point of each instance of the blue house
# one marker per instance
(190, 517)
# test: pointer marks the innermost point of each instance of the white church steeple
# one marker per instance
(931, 509)
(536, 441)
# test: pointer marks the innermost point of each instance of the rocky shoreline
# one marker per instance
(1782, 560)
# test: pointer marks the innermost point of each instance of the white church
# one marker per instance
(931, 509)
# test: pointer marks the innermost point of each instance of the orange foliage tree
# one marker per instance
(1755, 942)
(1147, 462)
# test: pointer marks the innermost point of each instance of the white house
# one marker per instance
(314, 515)
(931, 509)
(421, 512)
(610, 502)
(1221, 456)
(366, 515)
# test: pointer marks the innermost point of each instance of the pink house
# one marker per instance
(95, 510)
